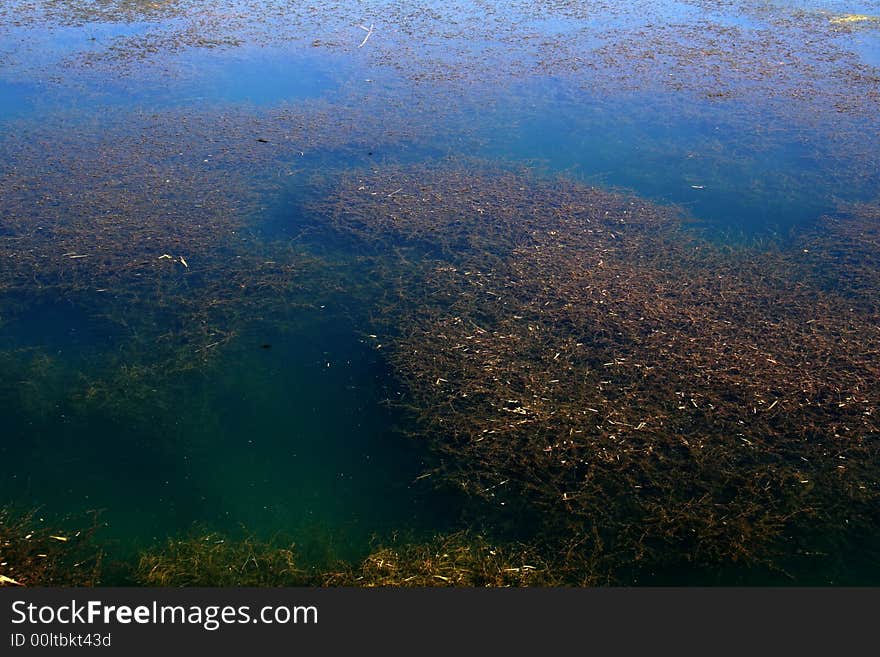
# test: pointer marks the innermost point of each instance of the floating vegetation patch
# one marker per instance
(82, 11)
(854, 19)
(753, 51)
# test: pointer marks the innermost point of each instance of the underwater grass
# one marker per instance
(37, 553)
(211, 559)
(574, 357)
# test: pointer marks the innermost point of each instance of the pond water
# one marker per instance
(130, 131)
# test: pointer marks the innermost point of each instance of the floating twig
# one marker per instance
(369, 31)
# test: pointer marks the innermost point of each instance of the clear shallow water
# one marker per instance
(868, 47)
(17, 99)
(695, 156)
(256, 76)
(286, 432)
(287, 429)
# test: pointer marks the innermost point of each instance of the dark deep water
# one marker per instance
(235, 116)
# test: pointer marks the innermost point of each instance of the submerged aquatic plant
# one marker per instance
(34, 552)
(212, 559)
(458, 559)
(579, 362)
